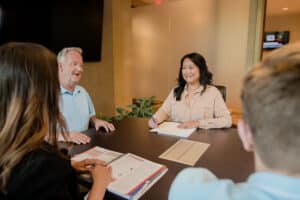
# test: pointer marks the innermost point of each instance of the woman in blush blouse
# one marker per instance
(194, 102)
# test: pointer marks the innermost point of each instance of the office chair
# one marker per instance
(222, 89)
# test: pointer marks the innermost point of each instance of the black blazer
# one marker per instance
(43, 174)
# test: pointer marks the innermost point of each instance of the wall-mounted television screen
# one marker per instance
(276, 39)
(54, 24)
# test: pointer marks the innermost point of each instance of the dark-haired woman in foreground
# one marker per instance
(30, 167)
(194, 102)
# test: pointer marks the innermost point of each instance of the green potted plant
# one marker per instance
(142, 107)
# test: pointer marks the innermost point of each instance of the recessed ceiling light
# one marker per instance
(285, 8)
(157, 2)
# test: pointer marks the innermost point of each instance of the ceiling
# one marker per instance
(137, 3)
(275, 7)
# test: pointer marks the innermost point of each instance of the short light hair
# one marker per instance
(64, 52)
(271, 107)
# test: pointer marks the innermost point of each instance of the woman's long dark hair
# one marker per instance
(205, 75)
(29, 109)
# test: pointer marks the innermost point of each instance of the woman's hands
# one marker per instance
(86, 164)
(152, 123)
(97, 168)
(101, 174)
(189, 124)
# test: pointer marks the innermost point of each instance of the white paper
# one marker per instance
(131, 173)
(185, 151)
(171, 128)
(97, 153)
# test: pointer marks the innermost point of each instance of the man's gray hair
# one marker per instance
(63, 53)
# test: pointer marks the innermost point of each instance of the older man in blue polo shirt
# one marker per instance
(270, 128)
(75, 103)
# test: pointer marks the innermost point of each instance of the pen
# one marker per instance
(109, 162)
(154, 120)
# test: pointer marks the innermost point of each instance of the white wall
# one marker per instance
(142, 48)
(230, 51)
(161, 35)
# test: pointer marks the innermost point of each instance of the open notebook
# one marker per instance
(170, 128)
(133, 175)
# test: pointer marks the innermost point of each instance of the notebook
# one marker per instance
(171, 128)
(133, 174)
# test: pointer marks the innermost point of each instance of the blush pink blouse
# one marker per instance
(208, 108)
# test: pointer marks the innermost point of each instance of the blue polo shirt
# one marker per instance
(199, 183)
(77, 108)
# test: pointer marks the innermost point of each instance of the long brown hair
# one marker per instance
(205, 74)
(29, 95)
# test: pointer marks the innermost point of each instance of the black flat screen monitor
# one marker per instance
(54, 23)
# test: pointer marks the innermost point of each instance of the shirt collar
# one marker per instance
(65, 91)
(283, 186)
(198, 90)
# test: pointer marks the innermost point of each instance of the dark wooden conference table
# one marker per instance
(225, 157)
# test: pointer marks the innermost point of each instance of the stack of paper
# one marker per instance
(171, 128)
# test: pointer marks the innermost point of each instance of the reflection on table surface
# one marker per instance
(225, 157)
